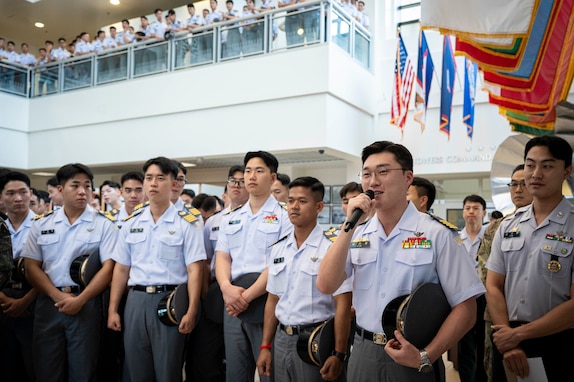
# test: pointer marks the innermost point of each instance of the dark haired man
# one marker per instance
(387, 261)
(56, 199)
(110, 192)
(179, 185)
(16, 300)
(421, 193)
(530, 269)
(471, 346)
(132, 192)
(280, 188)
(68, 318)
(40, 202)
(520, 197)
(187, 196)
(159, 249)
(243, 247)
(294, 303)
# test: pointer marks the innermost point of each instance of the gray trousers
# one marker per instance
(66, 346)
(153, 351)
(288, 366)
(242, 343)
(370, 363)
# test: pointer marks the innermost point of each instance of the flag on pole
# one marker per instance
(425, 70)
(447, 85)
(403, 85)
(470, 72)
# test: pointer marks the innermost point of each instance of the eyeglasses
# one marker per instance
(515, 185)
(379, 173)
(181, 180)
(236, 182)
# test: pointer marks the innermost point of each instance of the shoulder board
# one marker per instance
(43, 215)
(108, 215)
(134, 213)
(188, 216)
(284, 205)
(192, 210)
(233, 210)
(280, 240)
(114, 212)
(445, 223)
(141, 205)
(330, 234)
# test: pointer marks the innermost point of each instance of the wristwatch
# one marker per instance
(342, 356)
(425, 366)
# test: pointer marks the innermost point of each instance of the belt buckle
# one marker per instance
(150, 289)
(289, 330)
(66, 289)
(380, 338)
(16, 286)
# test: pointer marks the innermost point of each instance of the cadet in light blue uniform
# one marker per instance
(243, 247)
(16, 317)
(393, 253)
(160, 248)
(294, 303)
(530, 278)
(68, 319)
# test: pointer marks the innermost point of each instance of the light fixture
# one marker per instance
(43, 173)
(39, 24)
(186, 164)
(115, 2)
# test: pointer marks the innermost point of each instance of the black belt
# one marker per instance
(70, 289)
(293, 330)
(377, 338)
(153, 289)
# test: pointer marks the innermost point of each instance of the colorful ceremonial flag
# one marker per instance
(425, 70)
(494, 18)
(470, 73)
(403, 85)
(447, 85)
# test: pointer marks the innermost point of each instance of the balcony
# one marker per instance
(288, 28)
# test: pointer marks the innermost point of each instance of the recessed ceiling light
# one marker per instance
(39, 25)
(186, 164)
(115, 2)
(42, 173)
(33, 1)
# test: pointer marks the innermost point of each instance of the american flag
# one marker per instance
(403, 85)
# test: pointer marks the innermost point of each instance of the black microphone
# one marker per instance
(357, 213)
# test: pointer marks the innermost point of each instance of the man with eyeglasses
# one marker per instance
(397, 250)
(520, 197)
(206, 349)
(530, 277)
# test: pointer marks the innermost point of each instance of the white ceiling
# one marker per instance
(68, 18)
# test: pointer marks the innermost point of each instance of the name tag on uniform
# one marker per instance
(47, 232)
(360, 243)
(278, 260)
(215, 228)
(136, 230)
(231, 222)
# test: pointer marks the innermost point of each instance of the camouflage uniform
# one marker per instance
(6, 262)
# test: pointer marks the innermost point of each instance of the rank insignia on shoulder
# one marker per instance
(280, 240)
(278, 260)
(192, 210)
(233, 210)
(108, 215)
(284, 205)
(47, 232)
(360, 243)
(43, 215)
(188, 216)
(330, 234)
(445, 223)
(141, 205)
(134, 213)
(114, 212)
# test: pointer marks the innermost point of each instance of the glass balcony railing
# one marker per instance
(318, 22)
